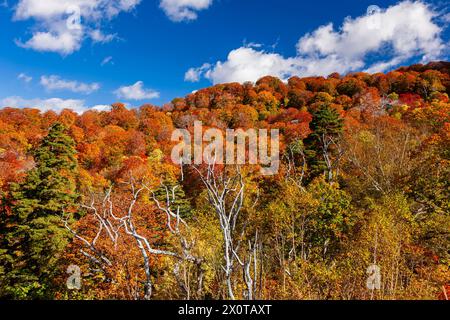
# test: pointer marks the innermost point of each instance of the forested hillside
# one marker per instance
(363, 181)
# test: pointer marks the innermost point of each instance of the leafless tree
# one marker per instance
(383, 159)
(295, 172)
(180, 229)
(226, 192)
(115, 226)
(327, 144)
(248, 265)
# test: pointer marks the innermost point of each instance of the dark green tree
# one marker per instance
(177, 197)
(322, 146)
(33, 234)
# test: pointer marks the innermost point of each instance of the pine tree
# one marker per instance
(326, 127)
(34, 235)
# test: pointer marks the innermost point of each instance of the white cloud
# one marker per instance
(107, 60)
(446, 18)
(401, 32)
(54, 82)
(383, 65)
(62, 42)
(183, 10)
(136, 92)
(90, 9)
(101, 107)
(248, 64)
(406, 27)
(98, 36)
(62, 25)
(55, 104)
(24, 77)
(194, 74)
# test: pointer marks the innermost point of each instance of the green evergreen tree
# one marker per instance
(180, 199)
(326, 127)
(34, 236)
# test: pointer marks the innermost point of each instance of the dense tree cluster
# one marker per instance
(364, 179)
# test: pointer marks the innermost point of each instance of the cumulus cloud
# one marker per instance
(101, 107)
(183, 10)
(194, 74)
(62, 25)
(24, 77)
(248, 64)
(55, 104)
(404, 31)
(136, 92)
(53, 82)
(62, 42)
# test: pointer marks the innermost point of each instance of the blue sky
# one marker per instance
(155, 50)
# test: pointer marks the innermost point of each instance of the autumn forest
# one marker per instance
(93, 207)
